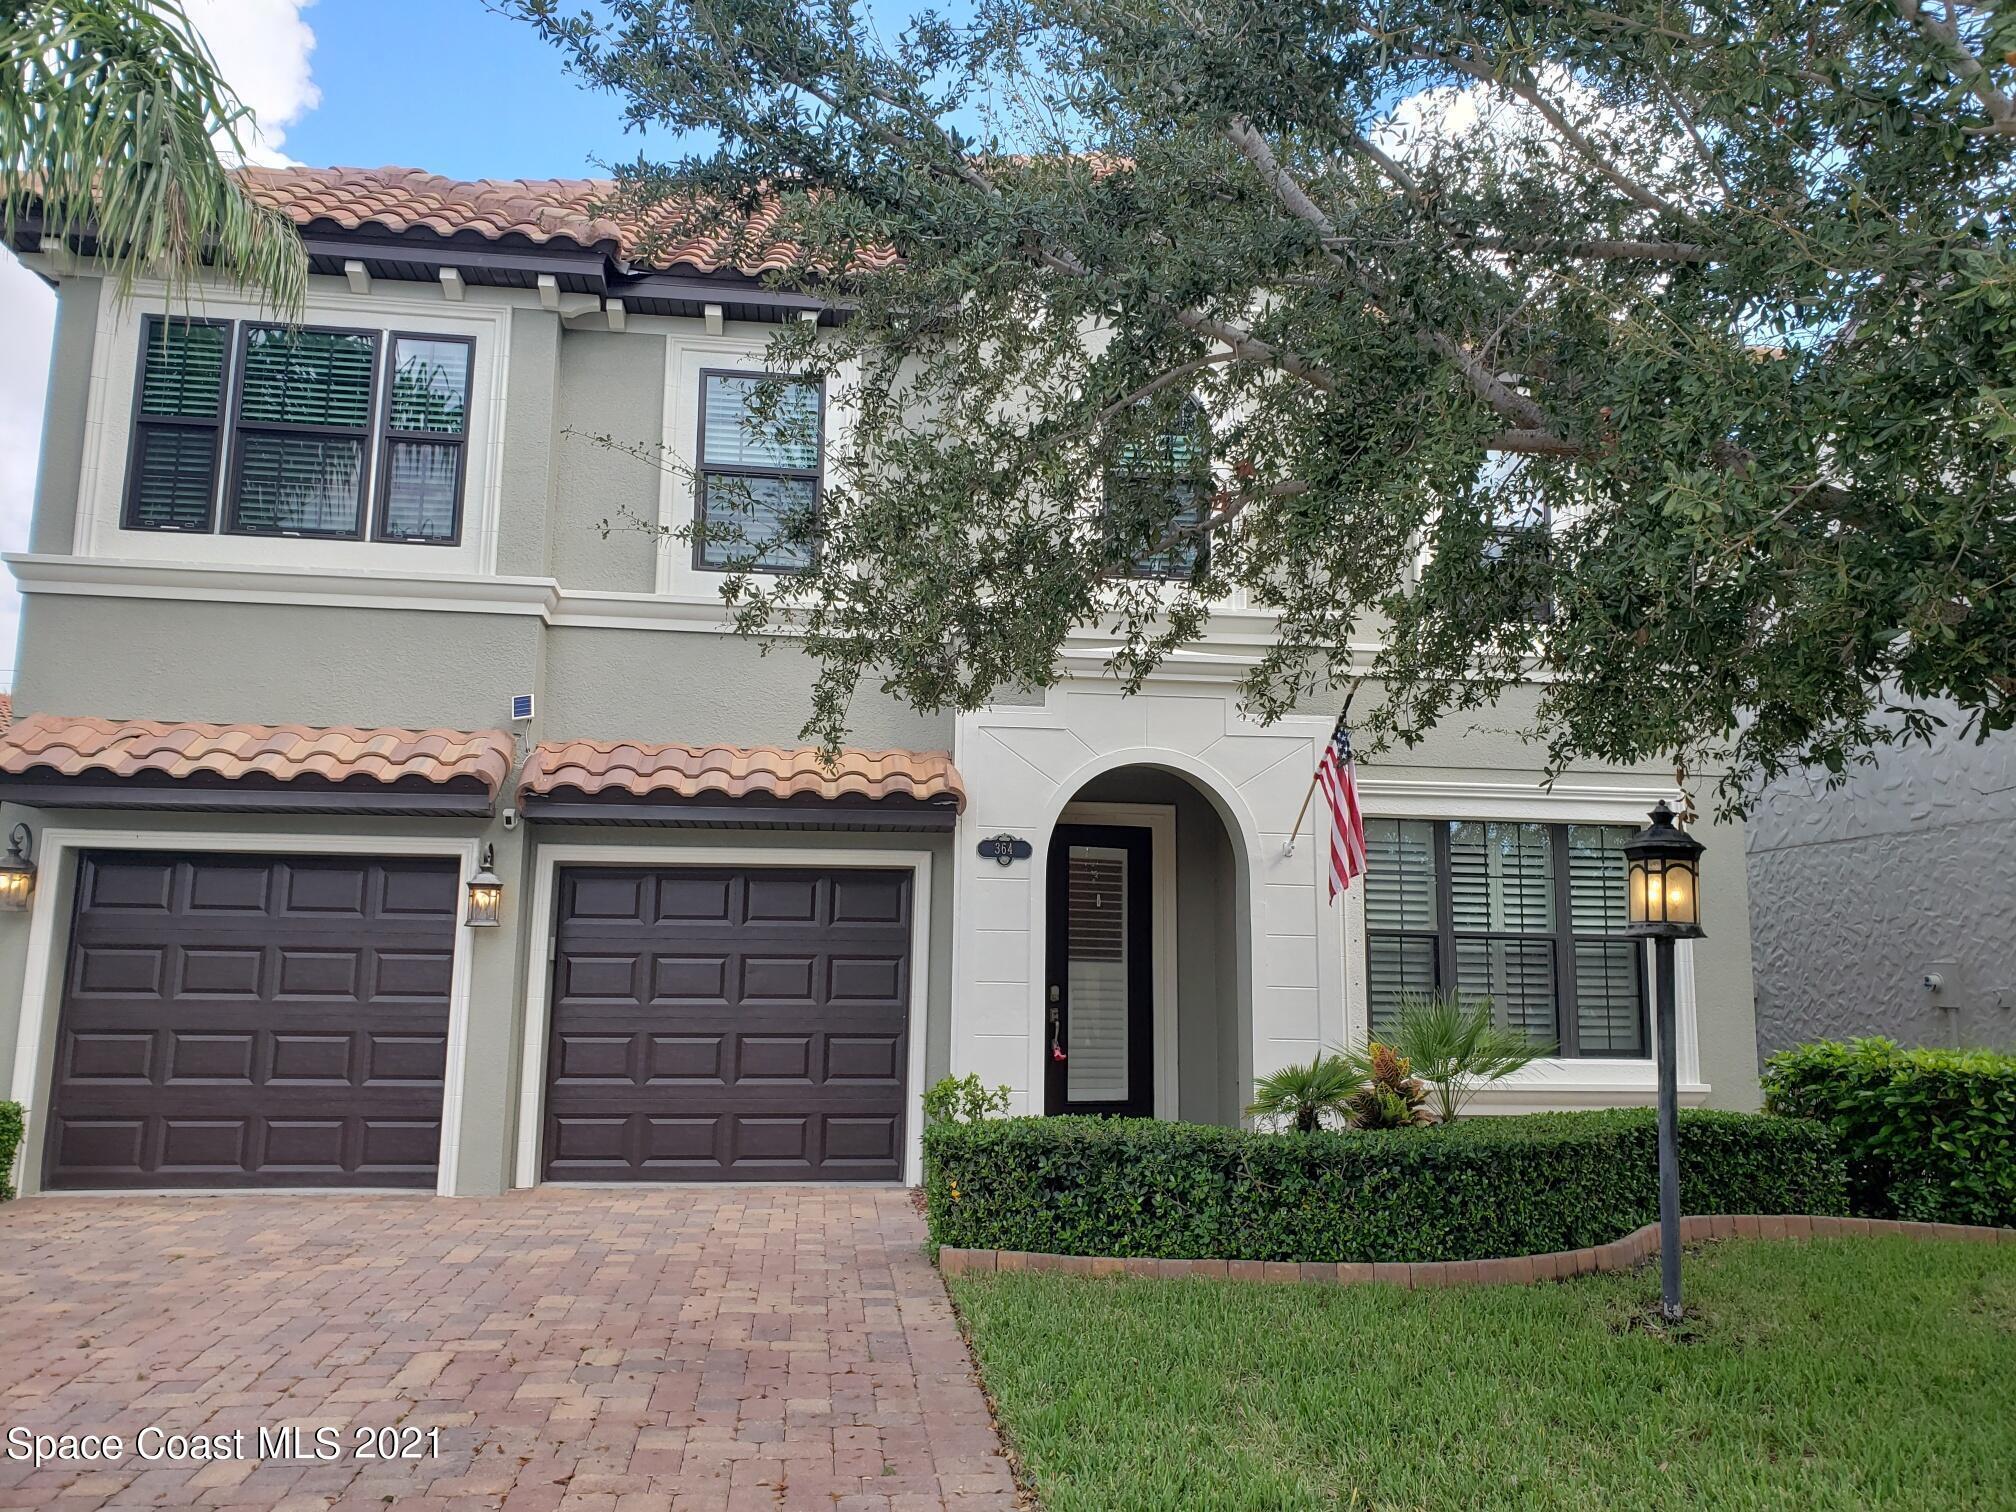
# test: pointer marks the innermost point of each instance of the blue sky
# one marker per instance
(500, 108)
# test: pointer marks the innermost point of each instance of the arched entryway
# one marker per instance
(1146, 922)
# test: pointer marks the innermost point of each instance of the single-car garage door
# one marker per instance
(235, 1021)
(729, 1023)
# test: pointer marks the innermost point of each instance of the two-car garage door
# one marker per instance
(240, 1021)
(234, 1021)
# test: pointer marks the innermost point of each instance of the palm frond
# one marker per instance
(115, 126)
(1456, 1045)
(1303, 1095)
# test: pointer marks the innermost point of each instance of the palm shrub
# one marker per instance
(1456, 1047)
(1306, 1094)
(1390, 1097)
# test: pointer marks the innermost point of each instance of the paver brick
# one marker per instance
(621, 1349)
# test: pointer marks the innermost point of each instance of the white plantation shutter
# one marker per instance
(1501, 882)
(1399, 874)
(1400, 914)
(1095, 1049)
(1518, 977)
(759, 472)
(1501, 877)
(1608, 1002)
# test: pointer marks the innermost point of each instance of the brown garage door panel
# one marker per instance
(729, 1023)
(242, 1021)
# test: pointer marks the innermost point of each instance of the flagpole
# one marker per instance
(1288, 846)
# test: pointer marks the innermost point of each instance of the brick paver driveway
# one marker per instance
(615, 1350)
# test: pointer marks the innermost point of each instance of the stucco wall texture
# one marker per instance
(1856, 895)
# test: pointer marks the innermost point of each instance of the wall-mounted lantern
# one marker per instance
(486, 894)
(17, 872)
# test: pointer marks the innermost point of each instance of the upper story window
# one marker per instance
(757, 503)
(177, 424)
(1529, 915)
(426, 428)
(1158, 491)
(1518, 542)
(306, 423)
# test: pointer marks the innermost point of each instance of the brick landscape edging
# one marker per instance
(1619, 1254)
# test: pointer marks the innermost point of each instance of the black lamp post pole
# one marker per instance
(1663, 904)
(1669, 1142)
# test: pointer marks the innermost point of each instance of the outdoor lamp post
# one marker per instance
(1663, 902)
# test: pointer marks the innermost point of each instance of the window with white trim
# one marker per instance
(756, 507)
(253, 428)
(1528, 915)
(1157, 493)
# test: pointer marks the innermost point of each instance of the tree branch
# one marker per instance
(1967, 68)
(1629, 187)
(1596, 250)
(1506, 401)
(1159, 382)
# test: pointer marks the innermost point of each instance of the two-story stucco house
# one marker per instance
(323, 624)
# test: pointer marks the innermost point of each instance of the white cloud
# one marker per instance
(262, 48)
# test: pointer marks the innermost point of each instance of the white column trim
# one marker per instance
(40, 1008)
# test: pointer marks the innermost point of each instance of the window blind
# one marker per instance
(1609, 996)
(758, 501)
(304, 414)
(173, 479)
(736, 433)
(1529, 915)
(426, 428)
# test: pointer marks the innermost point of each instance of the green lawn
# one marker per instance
(1841, 1373)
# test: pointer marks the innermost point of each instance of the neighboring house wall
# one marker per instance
(1858, 894)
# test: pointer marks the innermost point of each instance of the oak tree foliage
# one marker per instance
(1663, 351)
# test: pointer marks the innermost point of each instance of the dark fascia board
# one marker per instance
(758, 815)
(425, 255)
(75, 794)
(428, 256)
(422, 254)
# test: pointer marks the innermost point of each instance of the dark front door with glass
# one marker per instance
(1100, 992)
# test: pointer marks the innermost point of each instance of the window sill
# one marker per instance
(1557, 1084)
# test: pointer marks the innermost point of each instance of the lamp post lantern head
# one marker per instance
(1663, 896)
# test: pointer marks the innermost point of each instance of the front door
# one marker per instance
(1100, 994)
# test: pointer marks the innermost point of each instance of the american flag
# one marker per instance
(1337, 775)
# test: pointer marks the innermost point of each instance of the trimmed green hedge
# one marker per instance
(1927, 1134)
(11, 1124)
(1480, 1188)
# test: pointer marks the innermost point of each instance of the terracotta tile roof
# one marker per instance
(632, 769)
(65, 746)
(539, 211)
